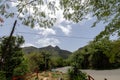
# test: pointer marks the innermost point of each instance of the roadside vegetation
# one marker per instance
(103, 54)
(17, 63)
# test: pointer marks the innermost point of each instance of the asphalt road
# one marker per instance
(97, 74)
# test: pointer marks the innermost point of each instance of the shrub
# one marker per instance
(2, 75)
(76, 74)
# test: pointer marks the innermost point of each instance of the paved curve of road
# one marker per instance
(98, 74)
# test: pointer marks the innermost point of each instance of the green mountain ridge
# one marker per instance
(54, 51)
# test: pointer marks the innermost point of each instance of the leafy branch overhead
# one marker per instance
(106, 11)
(42, 12)
(30, 12)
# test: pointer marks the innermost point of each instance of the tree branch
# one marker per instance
(24, 6)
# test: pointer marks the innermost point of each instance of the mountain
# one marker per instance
(54, 51)
(30, 49)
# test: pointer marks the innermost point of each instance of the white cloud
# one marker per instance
(45, 31)
(13, 4)
(60, 19)
(89, 17)
(66, 30)
(27, 44)
(50, 31)
(48, 41)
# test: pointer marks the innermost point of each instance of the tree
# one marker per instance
(106, 11)
(103, 54)
(76, 64)
(14, 55)
(99, 61)
(100, 54)
(22, 69)
(76, 74)
(77, 60)
(40, 61)
(34, 61)
(81, 57)
(46, 59)
(57, 61)
(115, 54)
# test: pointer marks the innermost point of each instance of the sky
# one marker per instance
(65, 34)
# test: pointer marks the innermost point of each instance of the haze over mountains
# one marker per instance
(54, 51)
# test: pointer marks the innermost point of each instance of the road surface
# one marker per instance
(98, 74)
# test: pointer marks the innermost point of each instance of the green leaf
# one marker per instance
(43, 14)
(11, 15)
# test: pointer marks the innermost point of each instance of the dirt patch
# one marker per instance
(48, 75)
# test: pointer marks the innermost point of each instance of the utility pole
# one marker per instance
(6, 47)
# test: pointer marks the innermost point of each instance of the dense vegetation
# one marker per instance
(15, 62)
(103, 54)
(44, 61)
(12, 58)
(46, 58)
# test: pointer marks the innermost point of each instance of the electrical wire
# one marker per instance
(77, 37)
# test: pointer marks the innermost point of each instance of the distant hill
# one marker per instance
(54, 51)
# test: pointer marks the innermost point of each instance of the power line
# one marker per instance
(77, 37)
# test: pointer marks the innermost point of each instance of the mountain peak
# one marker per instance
(50, 46)
(57, 48)
(54, 51)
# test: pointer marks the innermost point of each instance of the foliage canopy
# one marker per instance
(42, 12)
(30, 12)
(106, 11)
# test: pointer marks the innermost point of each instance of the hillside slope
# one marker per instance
(54, 51)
